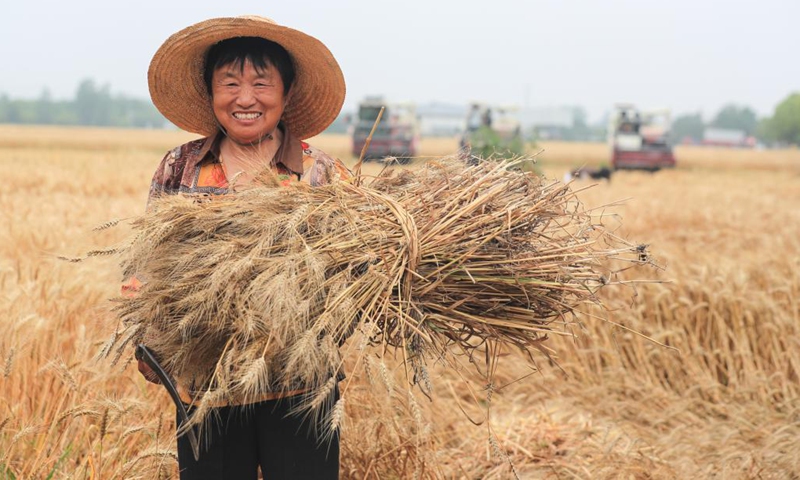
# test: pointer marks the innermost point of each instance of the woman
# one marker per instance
(254, 89)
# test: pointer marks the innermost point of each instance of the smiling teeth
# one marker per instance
(246, 116)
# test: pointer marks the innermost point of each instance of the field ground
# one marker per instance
(725, 224)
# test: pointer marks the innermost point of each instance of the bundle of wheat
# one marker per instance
(259, 291)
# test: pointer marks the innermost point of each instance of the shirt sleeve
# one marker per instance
(158, 186)
(163, 177)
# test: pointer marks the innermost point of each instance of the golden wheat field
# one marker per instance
(714, 392)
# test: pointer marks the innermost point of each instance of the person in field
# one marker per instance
(254, 90)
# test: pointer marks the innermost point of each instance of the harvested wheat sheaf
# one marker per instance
(272, 289)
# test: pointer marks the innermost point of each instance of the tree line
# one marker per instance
(95, 105)
(782, 128)
(92, 105)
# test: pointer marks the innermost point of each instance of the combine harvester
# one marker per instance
(397, 134)
(492, 132)
(640, 140)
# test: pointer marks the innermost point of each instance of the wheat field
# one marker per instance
(712, 393)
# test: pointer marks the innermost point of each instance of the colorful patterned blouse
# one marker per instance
(195, 167)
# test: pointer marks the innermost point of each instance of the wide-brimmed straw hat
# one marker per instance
(178, 89)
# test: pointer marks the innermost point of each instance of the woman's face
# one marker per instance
(248, 103)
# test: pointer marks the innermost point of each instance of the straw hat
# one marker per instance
(179, 92)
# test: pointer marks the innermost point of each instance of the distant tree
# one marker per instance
(764, 131)
(13, 112)
(736, 118)
(579, 131)
(44, 107)
(64, 113)
(784, 125)
(129, 112)
(86, 101)
(93, 104)
(688, 125)
(4, 101)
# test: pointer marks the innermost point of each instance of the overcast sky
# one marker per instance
(686, 55)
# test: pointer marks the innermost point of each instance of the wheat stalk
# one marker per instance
(252, 293)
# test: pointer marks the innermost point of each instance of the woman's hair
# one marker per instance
(259, 51)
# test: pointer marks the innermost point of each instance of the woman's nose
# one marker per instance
(246, 97)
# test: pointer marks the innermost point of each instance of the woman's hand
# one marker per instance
(148, 373)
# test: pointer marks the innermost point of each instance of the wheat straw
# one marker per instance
(254, 292)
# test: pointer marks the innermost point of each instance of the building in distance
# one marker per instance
(727, 137)
(441, 119)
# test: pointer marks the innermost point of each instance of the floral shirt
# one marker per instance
(195, 167)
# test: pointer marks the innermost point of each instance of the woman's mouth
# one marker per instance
(246, 116)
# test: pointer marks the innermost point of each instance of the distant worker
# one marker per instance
(486, 119)
(473, 118)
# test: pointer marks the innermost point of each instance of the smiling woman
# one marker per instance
(248, 79)
(248, 103)
(254, 89)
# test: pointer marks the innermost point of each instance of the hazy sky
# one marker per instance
(687, 55)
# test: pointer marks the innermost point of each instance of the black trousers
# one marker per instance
(240, 439)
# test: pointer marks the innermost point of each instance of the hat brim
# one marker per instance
(178, 90)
